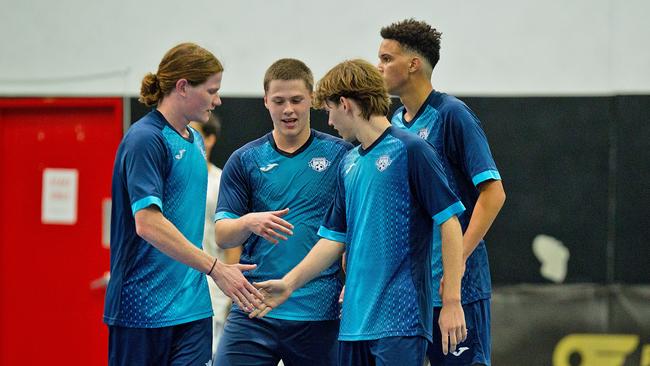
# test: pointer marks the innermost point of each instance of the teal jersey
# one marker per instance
(259, 177)
(156, 166)
(456, 134)
(389, 198)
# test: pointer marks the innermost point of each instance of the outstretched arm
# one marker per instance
(270, 225)
(276, 292)
(152, 226)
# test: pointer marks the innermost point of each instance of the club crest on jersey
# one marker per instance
(424, 133)
(319, 164)
(383, 162)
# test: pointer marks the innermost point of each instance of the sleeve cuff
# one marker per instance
(486, 175)
(224, 215)
(146, 202)
(444, 215)
(326, 233)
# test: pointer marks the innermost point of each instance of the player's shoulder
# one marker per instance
(326, 138)
(410, 140)
(145, 131)
(251, 146)
(452, 109)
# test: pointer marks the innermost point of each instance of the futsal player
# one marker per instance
(274, 192)
(157, 302)
(407, 55)
(391, 194)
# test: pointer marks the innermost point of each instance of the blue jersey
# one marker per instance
(456, 134)
(156, 166)
(259, 177)
(389, 198)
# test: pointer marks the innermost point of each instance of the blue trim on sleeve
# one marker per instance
(486, 175)
(225, 215)
(146, 202)
(444, 215)
(326, 233)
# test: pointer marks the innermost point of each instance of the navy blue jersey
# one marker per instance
(389, 198)
(156, 166)
(259, 177)
(456, 134)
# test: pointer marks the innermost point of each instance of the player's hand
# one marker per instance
(269, 225)
(275, 292)
(452, 325)
(341, 296)
(232, 282)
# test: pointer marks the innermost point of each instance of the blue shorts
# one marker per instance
(406, 351)
(475, 350)
(183, 344)
(266, 341)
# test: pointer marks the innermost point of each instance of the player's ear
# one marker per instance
(415, 65)
(181, 86)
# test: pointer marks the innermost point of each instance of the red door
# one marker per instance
(56, 159)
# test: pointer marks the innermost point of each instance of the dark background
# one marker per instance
(575, 168)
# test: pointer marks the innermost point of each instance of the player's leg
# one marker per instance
(248, 341)
(139, 346)
(313, 343)
(475, 350)
(407, 351)
(356, 353)
(192, 343)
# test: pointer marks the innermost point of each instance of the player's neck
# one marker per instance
(290, 144)
(414, 97)
(174, 117)
(369, 131)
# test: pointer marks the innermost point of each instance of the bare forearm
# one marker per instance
(153, 227)
(452, 259)
(489, 203)
(319, 258)
(231, 233)
(231, 256)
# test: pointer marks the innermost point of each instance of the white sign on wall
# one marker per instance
(59, 200)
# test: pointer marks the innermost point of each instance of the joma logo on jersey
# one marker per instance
(383, 162)
(319, 164)
(180, 154)
(424, 133)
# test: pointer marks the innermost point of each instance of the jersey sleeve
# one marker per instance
(334, 226)
(234, 190)
(429, 183)
(467, 145)
(145, 166)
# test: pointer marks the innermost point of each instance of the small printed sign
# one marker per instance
(59, 199)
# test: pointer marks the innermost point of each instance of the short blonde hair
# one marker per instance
(289, 69)
(358, 80)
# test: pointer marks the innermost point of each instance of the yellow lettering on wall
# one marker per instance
(596, 349)
(645, 355)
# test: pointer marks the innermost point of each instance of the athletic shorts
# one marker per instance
(186, 344)
(389, 351)
(475, 350)
(266, 341)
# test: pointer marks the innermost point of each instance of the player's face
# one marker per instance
(289, 103)
(394, 66)
(203, 98)
(340, 121)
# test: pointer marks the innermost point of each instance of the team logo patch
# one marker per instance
(383, 162)
(319, 164)
(424, 133)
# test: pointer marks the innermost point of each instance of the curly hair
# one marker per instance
(415, 36)
(184, 61)
(358, 80)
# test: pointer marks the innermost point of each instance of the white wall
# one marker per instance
(499, 47)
